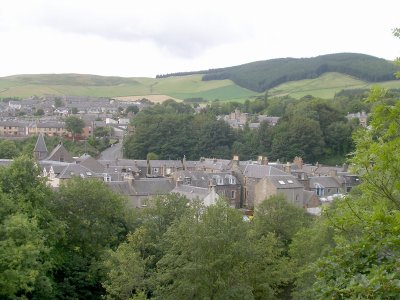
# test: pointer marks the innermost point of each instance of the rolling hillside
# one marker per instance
(294, 77)
(264, 75)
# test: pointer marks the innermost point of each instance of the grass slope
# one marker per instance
(102, 86)
(326, 86)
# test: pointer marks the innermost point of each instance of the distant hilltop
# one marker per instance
(264, 75)
(320, 76)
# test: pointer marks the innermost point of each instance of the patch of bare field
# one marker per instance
(152, 98)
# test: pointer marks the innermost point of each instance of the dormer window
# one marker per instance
(232, 180)
(220, 181)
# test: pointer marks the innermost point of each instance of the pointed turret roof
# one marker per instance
(40, 149)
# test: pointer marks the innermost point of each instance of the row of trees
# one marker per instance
(312, 128)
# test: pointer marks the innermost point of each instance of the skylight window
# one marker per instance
(290, 181)
(281, 182)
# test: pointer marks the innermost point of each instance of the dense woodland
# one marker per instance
(264, 75)
(83, 242)
(312, 128)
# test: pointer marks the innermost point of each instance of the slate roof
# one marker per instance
(152, 186)
(324, 181)
(191, 192)
(90, 163)
(122, 187)
(50, 125)
(165, 163)
(40, 145)
(72, 170)
(59, 153)
(13, 123)
(285, 182)
(202, 179)
(260, 171)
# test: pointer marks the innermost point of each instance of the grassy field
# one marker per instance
(326, 86)
(178, 88)
(98, 86)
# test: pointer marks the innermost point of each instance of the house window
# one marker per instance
(319, 190)
(232, 180)
(233, 194)
(220, 181)
(156, 170)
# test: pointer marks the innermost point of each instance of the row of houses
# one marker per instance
(245, 184)
(13, 128)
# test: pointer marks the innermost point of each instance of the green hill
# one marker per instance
(321, 76)
(264, 75)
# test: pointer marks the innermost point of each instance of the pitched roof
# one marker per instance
(90, 163)
(72, 170)
(324, 181)
(59, 153)
(284, 181)
(166, 163)
(40, 145)
(152, 186)
(191, 192)
(261, 171)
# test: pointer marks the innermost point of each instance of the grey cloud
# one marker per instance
(182, 35)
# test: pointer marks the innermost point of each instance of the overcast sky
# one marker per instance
(144, 38)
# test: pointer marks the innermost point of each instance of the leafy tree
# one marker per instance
(205, 258)
(39, 112)
(276, 215)
(28, 233)
(74, 125)
(132, 108)
(297, 137)
(364, 263)
(131, 268)
(58, 102)
(8, 149)
(96, 221)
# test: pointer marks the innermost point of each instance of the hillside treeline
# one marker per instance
(83, 241)
(314, 129)
(263, 75)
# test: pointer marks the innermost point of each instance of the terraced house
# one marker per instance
(47, 129)
(13, 128)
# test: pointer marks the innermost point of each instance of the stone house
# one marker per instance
(13, 129)
(47, 129)
(225, 184)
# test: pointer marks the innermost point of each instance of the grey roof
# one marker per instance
(152, 186)
(324, 181)
(72, 170)
(284, 181)
(59, 153)
(50, 125)
(165, 163)
(191, 192)
(118, 165)
(90, 163)
(260, 171)
(202, 179)
(122, 187)
(13, 123)
(213, 164)
(40, 144)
